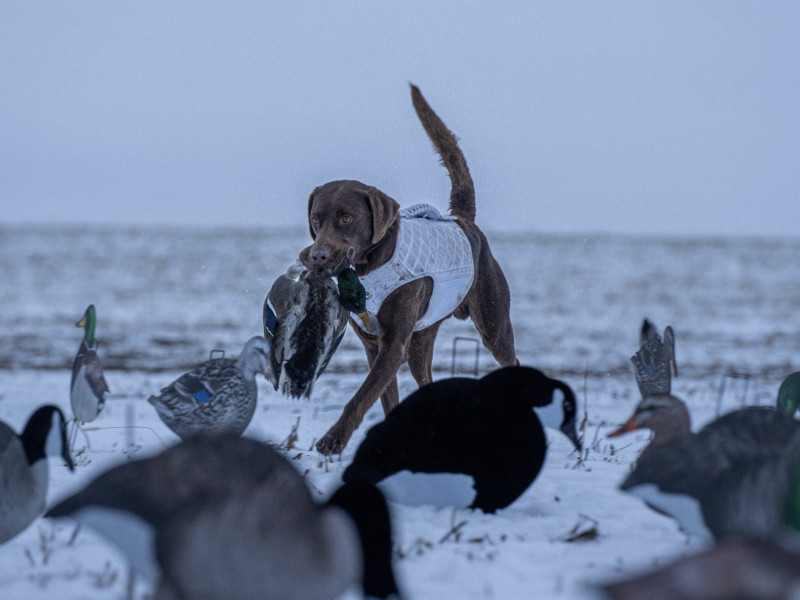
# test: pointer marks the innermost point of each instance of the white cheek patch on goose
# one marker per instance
(54, 444)
(131, 534)
(552, 415)
(440, 490)
(684, 509)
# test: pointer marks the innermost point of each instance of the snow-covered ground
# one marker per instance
(165, 298)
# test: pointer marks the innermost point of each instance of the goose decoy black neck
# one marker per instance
(46, 435)
(367, 507)
(551, 399)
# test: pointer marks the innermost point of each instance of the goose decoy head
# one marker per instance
(88, 322)
(551, 399)
(789, 394)
(256, 357)
(46, 435)
(666, 416)
(366, 506)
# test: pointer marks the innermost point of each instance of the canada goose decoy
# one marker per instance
(305, 322)
(229, 518)
(465, 442)
(652, 361)
(742, 569)
(789, 394)
(736, 476)
(88, 388)
(217, 396)
(23, 468)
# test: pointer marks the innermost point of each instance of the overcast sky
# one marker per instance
(643, 117)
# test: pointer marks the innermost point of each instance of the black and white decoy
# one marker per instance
(24, 472)
(305, 322)
(88, 388)
(465, 442)
(735, 477)
(227, 517)
(217, 396)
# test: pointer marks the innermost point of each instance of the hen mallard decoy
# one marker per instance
(652, 361)
(465, 442)
(789, 394)
(736, 476)
(217, 396)
(744, 569)
(306, 321)
(24, 470)
(229, 518)
(88, 388)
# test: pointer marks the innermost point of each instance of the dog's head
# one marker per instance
(343, 215)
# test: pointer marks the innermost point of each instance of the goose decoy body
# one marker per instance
(653, 359)
(305, 322)
(789, 394)
(229, 518)
(735, 477)
(465, 442)
(88, 388)
(741, 569)
(217, 396)
(24, 470)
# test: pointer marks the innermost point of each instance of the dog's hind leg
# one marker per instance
(489, 303)
(420, 354)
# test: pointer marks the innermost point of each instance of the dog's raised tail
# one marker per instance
(462, 192)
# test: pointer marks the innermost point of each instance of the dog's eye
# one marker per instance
(314, 221)
(347, 218)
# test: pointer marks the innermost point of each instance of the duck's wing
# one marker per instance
(651, 365)
(202, 382)
(339, 317)
(94, 374)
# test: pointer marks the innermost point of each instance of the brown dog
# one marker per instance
(345, 214)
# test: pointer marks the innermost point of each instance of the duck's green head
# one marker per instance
(352, 294)
(789, 394)
(87, 322)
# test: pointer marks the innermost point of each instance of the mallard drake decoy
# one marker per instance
(24, 470)
(305, 322)
(789, 394)
(736, 476)
(217, 396)
(88, 388)
(228, 517)
(483, 439)
(652, 361)
(746, 569)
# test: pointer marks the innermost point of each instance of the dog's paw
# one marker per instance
(332, 442)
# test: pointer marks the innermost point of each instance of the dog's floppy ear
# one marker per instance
(384, 212)
(310, 204)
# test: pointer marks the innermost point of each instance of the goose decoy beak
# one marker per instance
(365, 320)
(629, 425)
(568, 429)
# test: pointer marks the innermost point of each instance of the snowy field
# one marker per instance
(165, 298)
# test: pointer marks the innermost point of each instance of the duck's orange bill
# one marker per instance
(628, 426)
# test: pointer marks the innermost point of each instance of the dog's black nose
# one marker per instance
(320, 256)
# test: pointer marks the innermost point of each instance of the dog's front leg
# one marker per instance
(396, 319)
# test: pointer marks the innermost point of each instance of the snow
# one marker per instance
(165, 298)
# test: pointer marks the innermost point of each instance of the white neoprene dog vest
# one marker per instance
(428, 245)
